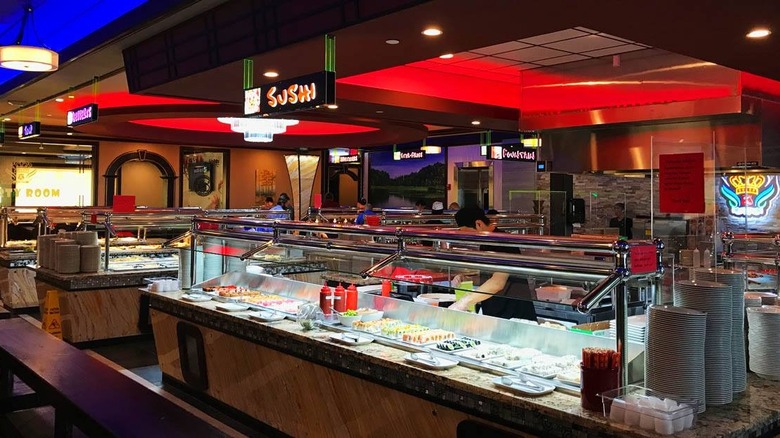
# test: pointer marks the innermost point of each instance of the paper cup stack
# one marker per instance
(44, 248)
(715, 300)
(735, 279)
(763, 341)
(68, 258)
(674, 349)
(90, 258)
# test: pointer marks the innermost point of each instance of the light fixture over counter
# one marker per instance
(28, 58)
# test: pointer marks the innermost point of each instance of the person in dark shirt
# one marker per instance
(500, 294)
(622, 222)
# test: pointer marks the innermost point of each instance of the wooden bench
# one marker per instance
(85, 392)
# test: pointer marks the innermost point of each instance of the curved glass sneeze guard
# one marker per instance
(569, 278)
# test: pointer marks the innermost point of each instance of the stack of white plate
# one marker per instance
(43, 249)
(636, 330)
(674, 352)
(86, 237)
(212, 266)
(735, 279)
(763, 341)
(90, 258)
(715, 300)
(54, 257)
(68, 258)
(185, 268)
(752, 299)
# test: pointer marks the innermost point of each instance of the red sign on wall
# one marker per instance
(124, 203)
(643, 259)
(681, 183)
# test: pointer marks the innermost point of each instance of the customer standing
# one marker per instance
(622, 222)
(364, 209)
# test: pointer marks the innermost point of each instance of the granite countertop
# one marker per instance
(16, 258)
(99, 280)
(752, 413)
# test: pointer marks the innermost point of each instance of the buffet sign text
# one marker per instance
(681, 183)
(82, 115)
(513, 152)
(301, 93)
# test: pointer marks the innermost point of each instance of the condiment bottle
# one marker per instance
(387, 287)
(696, 258)
(339, 301)
(326, 303)
(352, 297)
(706, 261)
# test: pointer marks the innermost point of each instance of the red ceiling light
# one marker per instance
(205, 124)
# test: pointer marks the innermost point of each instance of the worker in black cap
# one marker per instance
(500, 294)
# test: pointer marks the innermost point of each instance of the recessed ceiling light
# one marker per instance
(70, 96)
(332, 106)
(380, 112)
(7, 119)
(447, 56)
(475, 122)
(48, 115)
(392, 41)
(68, 133)
(59, 99)
(759, 32)
(271, 74)
(432, 31)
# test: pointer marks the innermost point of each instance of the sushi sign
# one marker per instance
(301, 93)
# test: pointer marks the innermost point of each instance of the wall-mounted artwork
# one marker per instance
(204, 178)
(265, 185)
(394, 182)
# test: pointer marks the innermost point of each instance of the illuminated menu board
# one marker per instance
(56, 187)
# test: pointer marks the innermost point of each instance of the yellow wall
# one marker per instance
(142, 179)
(243, 164)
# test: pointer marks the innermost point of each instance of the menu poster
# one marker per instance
(681, 183)
(643, 259)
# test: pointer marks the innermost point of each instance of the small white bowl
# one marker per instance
(348, 320)
(372, 316)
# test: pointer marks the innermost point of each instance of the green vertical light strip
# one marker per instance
(330, 53)
(249, 74)
(94, 89)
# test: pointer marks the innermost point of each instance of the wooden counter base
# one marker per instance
(17, 288)
(301, 398)
(92, 315)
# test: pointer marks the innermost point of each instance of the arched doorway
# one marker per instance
(114, 175)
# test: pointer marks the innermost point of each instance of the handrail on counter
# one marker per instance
(610, 276)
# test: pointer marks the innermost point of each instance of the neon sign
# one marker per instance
(301, 93)
(82, 115)
(29, 130)
(749, 195)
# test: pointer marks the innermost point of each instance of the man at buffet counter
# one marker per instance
(621, 221)
(284, 203)
(364, 209)
(500, 294)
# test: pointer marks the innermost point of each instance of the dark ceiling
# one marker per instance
(707, 30)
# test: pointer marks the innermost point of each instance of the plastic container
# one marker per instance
(339, 299)
(352, 297)
(593, 382)
(649, 410)
(553, 293)
(325, 300)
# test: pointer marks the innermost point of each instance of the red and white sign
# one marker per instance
(681, 183)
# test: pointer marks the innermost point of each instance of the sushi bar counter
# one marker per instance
(337, 384)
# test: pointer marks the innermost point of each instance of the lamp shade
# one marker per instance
(28, 58)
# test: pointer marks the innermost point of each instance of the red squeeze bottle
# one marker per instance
(386, 288)
(325, 302)
(352, 297)
(340, 302)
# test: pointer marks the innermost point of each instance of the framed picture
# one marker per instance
(204, 178)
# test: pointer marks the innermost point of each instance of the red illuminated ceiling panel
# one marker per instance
(212, 125)
(124, 99)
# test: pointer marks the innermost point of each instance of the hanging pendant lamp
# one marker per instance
(28, 58)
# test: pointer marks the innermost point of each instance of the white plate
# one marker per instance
(352, 338)
(230, 307)
(430, 361)
(524, 385)
(265, 316)
(195, 298)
